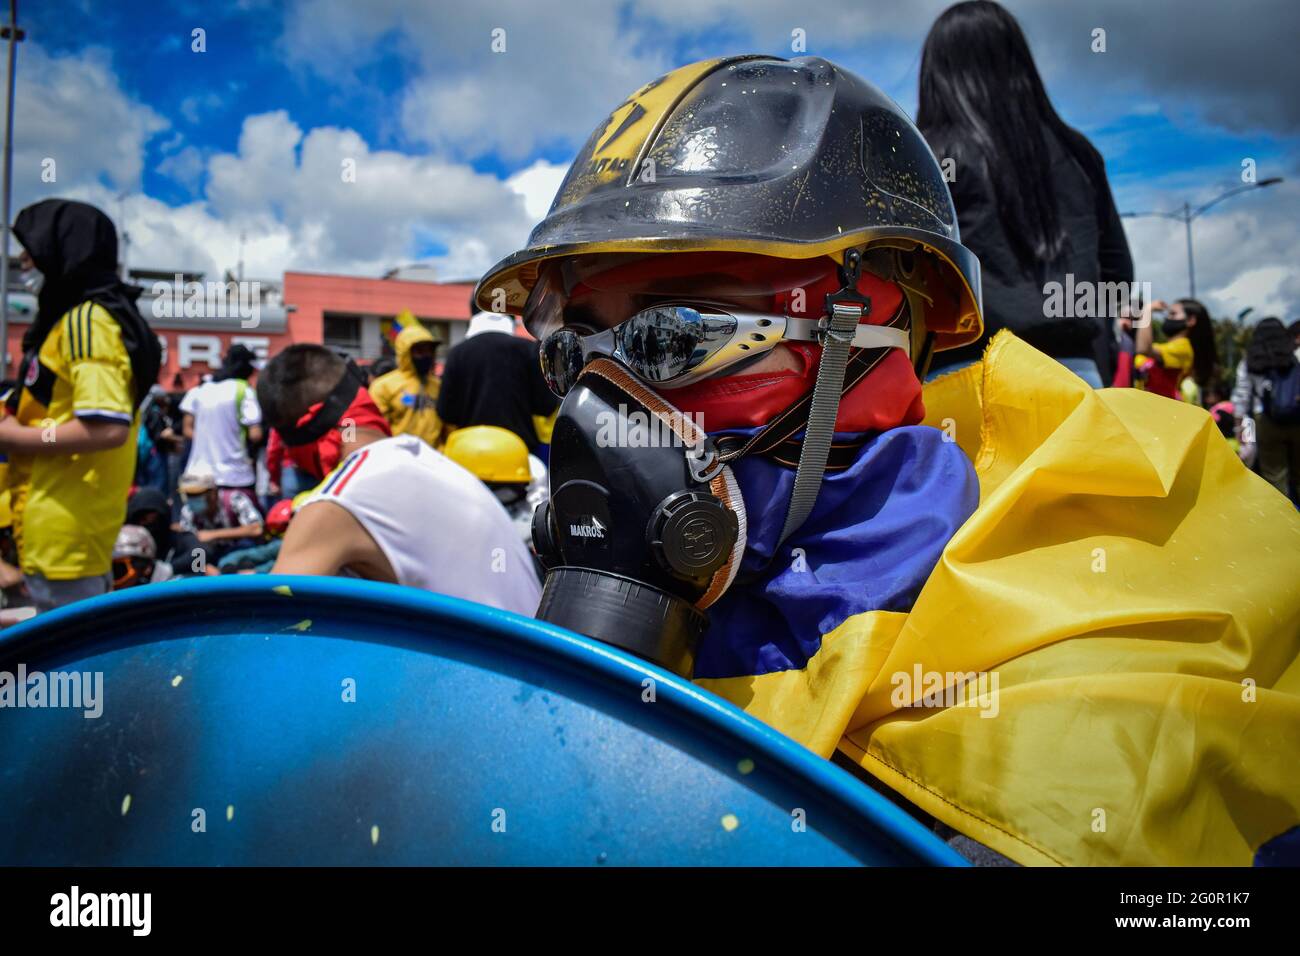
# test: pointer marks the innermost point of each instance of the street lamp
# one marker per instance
(1187, 214)
(11, 33)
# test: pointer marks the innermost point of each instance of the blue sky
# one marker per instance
(460, 149)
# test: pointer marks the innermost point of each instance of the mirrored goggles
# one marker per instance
(676, 345)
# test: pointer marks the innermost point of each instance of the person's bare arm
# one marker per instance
(187, 425)
(1144, 339)
(323, 539)
(255, 434)
(229, 534)
(71, 438)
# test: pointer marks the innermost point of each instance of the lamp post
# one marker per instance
(1187, 214)
(11, 33)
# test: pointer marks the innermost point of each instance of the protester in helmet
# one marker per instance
(135, 559)
(408, 395)
(1031, 193)
(744, 437)
(393, 509)
(500, 459)
(89, 360)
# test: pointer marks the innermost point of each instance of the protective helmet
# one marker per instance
(133, 557)
(787, 159)
(134, 541)
(278, 518)
(491, 454)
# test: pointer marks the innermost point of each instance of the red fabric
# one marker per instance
(888, 397)
(318, 459)
(1123, 371)
(1163, 381)
(275, 456)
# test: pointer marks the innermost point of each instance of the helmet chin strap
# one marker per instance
(844, 310)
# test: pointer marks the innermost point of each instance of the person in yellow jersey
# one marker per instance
(89, 359)
(408, 395)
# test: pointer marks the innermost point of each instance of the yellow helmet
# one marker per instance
(490, 453)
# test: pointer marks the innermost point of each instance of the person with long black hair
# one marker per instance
(1188, 352)
(1265, 395)
(1031, 193)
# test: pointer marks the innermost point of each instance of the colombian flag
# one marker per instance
(1102, 664)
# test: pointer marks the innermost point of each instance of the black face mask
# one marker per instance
(643, 529)
(423, 365)
(1173, 326)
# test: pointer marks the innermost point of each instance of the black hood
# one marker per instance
(152, 499)
(75, 247)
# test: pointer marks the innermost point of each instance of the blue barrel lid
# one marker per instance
(291, 720)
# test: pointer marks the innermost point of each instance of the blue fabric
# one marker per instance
(871, 542)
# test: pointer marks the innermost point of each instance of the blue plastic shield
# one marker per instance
(280, 721)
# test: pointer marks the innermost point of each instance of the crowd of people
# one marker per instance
(108, 486)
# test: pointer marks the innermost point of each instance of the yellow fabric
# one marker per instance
(75, 504)
(1175, 354)
(544, 425)
(409, 404)
(1128, 590)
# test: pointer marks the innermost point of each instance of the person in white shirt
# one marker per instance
(393, 509)
(221, 418)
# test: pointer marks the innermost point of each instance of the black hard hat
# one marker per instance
(791, 159)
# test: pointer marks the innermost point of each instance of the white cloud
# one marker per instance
(71, 109)
(538, 184)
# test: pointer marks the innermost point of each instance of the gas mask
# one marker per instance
(645, 526)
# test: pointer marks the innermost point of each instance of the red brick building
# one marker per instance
(197, 321)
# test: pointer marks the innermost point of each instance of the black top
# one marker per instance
(1013, 297)
(495, 379)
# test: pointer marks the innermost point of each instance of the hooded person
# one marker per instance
(748, 485)
(89, 360)
(187, 556)
(388, 508)
(408, 395)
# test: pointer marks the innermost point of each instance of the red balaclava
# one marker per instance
(318, 458)
(886, 398)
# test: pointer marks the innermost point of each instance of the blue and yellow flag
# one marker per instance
(1102, 667)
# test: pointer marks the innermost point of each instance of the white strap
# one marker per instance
(865, 337)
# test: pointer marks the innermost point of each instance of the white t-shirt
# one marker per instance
(218, 447)
(440, 528)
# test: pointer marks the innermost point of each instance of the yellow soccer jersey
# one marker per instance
(75, 504)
